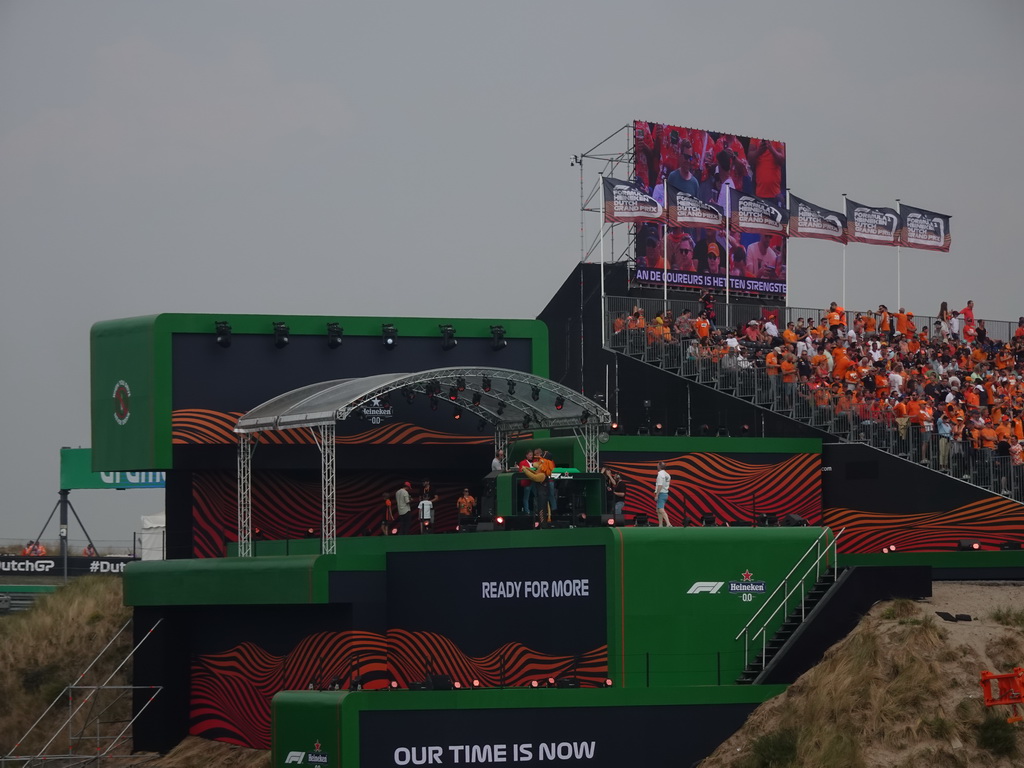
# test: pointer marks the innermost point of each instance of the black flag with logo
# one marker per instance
(809, 220)
(868, 224)
(627, 201)
(924, 229)
(756, 214)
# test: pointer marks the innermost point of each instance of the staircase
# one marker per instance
(803, 588)
(794, 620)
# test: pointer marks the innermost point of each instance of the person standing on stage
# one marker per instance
(404, 504)
(426, 510)
(526, 484)
(498, 462)
(661, 485)
(466, 506)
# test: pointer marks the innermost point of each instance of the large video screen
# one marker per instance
(695, 174)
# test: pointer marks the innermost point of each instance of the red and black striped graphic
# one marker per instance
(199, 426)
(991, 521)
(735, 491)
(231, 691)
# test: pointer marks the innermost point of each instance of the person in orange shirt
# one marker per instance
(884, 323)
(987, 436)
(903, 322)
(870, 326)
(702, 326)
(787, 367)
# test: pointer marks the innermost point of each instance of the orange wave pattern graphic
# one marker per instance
(991, 521)
(733, 490)
(231, 691)
(198, 426)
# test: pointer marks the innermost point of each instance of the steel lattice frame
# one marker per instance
(328, 527)
(246, 444)
(508, 412)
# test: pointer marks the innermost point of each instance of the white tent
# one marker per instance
(150, 542)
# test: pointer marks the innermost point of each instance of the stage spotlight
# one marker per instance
(453, 394)
(457, 412)
(766, 520)
(559, 403)
(723, 431)
(610, 520)
(658, 428)
(794, 521)
(388, 335)
(460, 384)
(498, 337)
(499, 520)
(433, 403)
(334, 335)
(534, 684)
(476, 683)
(476, 399)
(968, 545)
(501, 409)
(511, 387)
(535, 393)
(708, 520)
(457, 685)
(567, 682)
(408, 394)
(485, 384)
(482, 425)
(434, 387)
(526, 422)
(223, 333)
(888, 549)
(608, 682)
(280, 335)
(448, 340)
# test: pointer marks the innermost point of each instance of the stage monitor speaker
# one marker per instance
(794, 521)
(968, 545)
(440, 683)
(488, 526)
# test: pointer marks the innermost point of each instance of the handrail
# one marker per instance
(784, 585)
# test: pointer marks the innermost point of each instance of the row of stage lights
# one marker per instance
(446, 683)
(336, 334)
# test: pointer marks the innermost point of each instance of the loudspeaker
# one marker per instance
(794, 521)
(489, 526)
(1010, 545)
(968, 545)
(440, 683)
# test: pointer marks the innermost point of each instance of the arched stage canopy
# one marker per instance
(512, 401)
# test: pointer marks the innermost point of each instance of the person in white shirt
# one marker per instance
(497, 463)
(661, 485)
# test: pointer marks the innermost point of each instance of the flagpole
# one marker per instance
(898, 271)
(664, 250)
(604, 299)
(725, 257)
(785, 244)
(844, 254)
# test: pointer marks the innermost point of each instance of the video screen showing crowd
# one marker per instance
(697, 176)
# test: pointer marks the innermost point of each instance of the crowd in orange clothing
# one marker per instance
(34, 549)
(952, 380)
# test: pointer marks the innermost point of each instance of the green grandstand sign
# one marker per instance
(76, 472)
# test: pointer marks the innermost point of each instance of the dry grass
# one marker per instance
(46, 649)
(194, 752)
(896, 692)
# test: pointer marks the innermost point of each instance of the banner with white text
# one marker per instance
(809, 220)
(924, 229)
(870, 224)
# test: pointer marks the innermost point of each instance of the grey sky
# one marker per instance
(412, 159)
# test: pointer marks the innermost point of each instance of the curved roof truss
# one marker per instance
(509, 400)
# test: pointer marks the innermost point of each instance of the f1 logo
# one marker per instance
(709, 587)
(295, 758)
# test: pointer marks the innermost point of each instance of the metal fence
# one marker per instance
(742, 374)
(733, 316)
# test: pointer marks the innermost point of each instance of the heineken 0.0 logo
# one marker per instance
(122, 402)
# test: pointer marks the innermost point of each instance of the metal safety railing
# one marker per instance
(823, 555)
